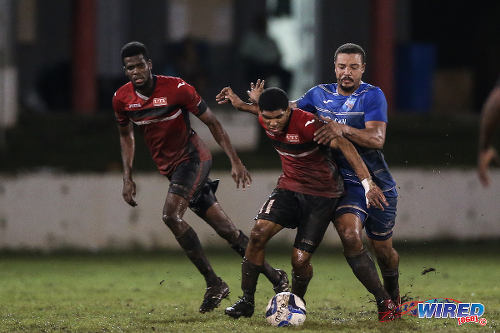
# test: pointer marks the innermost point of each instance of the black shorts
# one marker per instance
(190, 181)
(310, 214)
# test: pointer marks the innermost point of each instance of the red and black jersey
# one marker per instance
(306, 166)
(164, 117)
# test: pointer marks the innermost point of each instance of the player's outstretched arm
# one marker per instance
(227, 95)
(490, 119)
(372, 136)
(238, 171)
(255, 91)
(374, 196)
(127, 144)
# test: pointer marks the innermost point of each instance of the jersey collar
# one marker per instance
(144, 97)
(360, 88)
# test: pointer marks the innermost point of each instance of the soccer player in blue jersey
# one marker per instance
(357, 111)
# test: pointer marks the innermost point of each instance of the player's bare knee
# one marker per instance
(386, 254)
(353, 245)
(172, 221)
(227, 231)
(257, 243)
(258, 238)
(300, 263)
(350, 237)
(383, 249)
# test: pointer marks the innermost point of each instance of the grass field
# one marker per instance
(161, 291)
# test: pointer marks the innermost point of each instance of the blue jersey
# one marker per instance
(367, 103)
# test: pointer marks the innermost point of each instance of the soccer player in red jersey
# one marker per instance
(161, 105)
(306, 194)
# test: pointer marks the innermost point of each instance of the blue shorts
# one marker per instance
(378, 223)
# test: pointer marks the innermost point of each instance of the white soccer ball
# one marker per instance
(286, 309)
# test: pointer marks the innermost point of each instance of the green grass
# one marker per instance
(117, 292)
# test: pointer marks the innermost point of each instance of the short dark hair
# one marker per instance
(351, 48)
(273, 99)
(134, 48)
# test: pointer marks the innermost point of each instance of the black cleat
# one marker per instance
(213, 296)
(243, 307)
(282, 285)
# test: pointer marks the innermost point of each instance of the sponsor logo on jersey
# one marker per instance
(160, 101)
(294, 138)
(309, 122)
(134, 105)
(327, 101)
(349, 103)
(181, 84)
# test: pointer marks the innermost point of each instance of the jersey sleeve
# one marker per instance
(306, 102)
(375, 106)
(120, 114)
(309, 125)
(190, 100)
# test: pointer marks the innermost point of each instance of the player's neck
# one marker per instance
(148, 88)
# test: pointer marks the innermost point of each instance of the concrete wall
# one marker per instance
(47, 211)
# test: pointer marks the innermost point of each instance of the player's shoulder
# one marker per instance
(122, 95)
(369, 90)
(123, 91)
(303, 123)
(301, 117)
(301, 114)
(171, 81)
(324, 88)
(174, 85)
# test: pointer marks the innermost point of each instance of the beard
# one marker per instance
(348, 89)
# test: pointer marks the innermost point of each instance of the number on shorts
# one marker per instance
(268, 205)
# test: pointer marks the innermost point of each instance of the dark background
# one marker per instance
(455, 43)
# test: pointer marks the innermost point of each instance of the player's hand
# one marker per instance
(255, 91)
(222, 97)
(485, 158)
(227, 95)
(328, 132)
(374, 195)
(128, 192)
(240, 175)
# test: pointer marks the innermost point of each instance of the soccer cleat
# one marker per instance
(213, 296)
(386, 310)
(282, 285)
(398, 310)
(243, 307)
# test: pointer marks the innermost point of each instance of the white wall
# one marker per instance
(46, 211)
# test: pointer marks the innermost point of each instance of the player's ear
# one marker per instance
(363, 67)
(150, 64)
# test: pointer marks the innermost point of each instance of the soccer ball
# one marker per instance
(286, 309)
